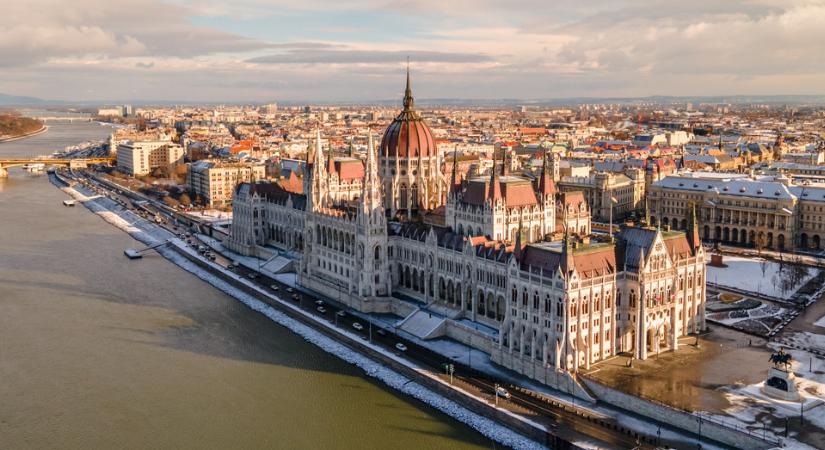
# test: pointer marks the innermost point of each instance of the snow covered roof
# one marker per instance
(743, 187)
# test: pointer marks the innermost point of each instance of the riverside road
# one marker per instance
(568, 425)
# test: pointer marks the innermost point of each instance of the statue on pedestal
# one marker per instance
(780, 383)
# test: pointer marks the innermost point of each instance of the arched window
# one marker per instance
(402, 201)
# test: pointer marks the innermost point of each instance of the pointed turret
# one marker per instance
(409, 103)
(693, 229)
(647, 213)
(494, 193)
(371, 199)
(517, 250)
(319, 180)
(567, 264)
(454, 182)
(546, 185)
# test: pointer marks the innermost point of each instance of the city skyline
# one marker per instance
(257, 51)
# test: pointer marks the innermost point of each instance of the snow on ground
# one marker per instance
(211, 215)
(820, 322)
(150, 234)
(749, 404)
(747, 274)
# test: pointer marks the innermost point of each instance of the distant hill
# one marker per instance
(15, 100)
(13, 125)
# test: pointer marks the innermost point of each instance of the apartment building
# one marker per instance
(215, 181)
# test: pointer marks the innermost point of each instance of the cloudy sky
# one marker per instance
(354, 50)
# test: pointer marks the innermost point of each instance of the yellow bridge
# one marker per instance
(74, 163)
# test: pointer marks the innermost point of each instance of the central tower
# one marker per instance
(410, 164)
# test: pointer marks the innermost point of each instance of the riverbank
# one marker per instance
(150, 234)
(646, 427)
(42, 129)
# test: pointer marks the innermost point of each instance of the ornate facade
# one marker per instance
(491, 276)
(762, 212)
(410, 164)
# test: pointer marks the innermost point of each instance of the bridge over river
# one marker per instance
(74, 163)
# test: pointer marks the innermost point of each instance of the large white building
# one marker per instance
(138, 158)
(489, 270)
(215, 181)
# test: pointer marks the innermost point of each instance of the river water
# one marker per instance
(97, 351)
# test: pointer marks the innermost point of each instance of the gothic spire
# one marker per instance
(693, 229)
(495, 189)
(408, 98)
(647, 212)
(567, 263)
(546, 186)
(371, 190)
(454, 176)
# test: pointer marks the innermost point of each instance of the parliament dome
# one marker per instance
(408, 136)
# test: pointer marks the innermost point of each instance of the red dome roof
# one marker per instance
(408, 136)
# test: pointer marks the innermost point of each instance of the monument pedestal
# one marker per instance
(781, 384)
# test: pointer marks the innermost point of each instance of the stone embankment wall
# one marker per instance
(700, 425)
(474, 404)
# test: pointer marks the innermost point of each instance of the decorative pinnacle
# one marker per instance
(408, 98)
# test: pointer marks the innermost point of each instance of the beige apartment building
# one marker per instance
(138, 158)
(767, 212)
(215, 180)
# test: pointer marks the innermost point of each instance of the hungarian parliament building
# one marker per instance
(501, 262)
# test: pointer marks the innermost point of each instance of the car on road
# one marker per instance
(357, 326)
(341, 314)
(319, 302)
(503, 393)
(381, 332)
(230, 266)
(401, 347)
(212, 257)
(290, 290)
(274, 288)
(252, 275)
(321, 310)
(296, 297)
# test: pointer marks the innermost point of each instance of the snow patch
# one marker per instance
(755, 275)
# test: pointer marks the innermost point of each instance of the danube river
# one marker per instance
(97, 351)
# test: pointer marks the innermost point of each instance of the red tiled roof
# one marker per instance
(519, 193)
(348, 169)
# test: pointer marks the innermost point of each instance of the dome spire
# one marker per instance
(408, 98)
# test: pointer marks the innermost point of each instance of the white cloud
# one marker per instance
(463, 48)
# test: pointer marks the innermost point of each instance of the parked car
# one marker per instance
(321, 310)
(319, 302)
(296, 297)
(341, 314)
(290, 290)
(357, 326)
(252, 275)
(381, 332)
(401, 347)
(274, 288)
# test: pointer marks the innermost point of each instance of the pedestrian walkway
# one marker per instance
(424, 324)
